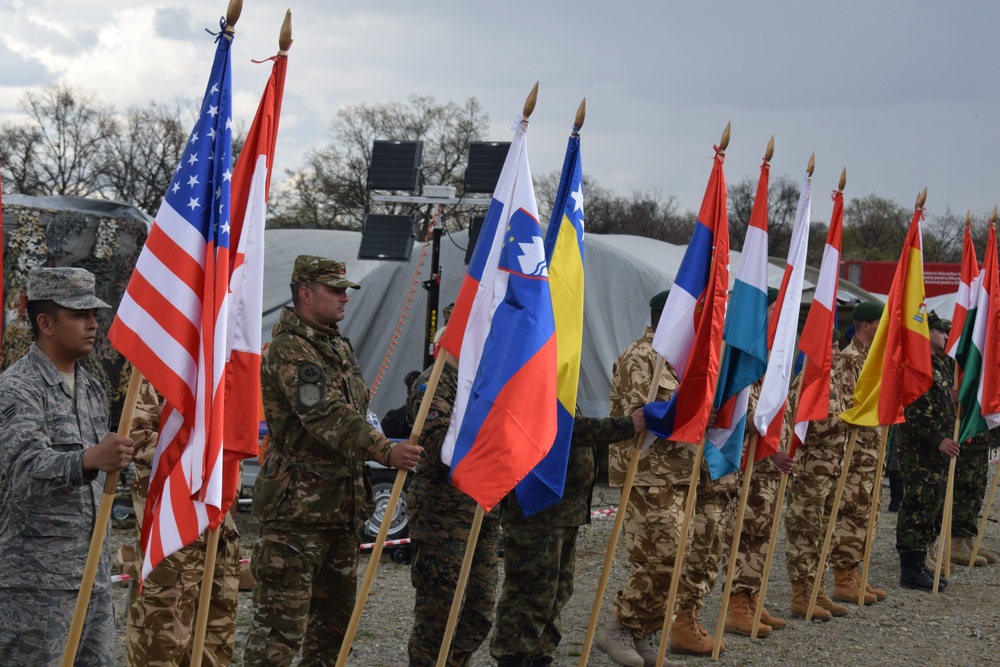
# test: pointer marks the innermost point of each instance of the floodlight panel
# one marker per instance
(486, 160)
(395, 165)
(387, 237)
(475, 226)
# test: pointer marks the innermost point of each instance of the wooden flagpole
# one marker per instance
(397, 489)
(944, 554)
(872, 516)
(831, 524)
(769, 558)
(463, 580)
(616, 530)
(734, 547)
(100, 528)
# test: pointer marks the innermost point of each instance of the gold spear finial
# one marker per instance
(993, 218)
(724, 141)
(233, 15)
(285, 34)
(843, 180)
(581, 114)
(529, 103)
(769, 151)
(812, 165)
(968, 217)
(921, 199)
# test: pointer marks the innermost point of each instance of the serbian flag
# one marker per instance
(745, 334)
(172, 325)
(979, 352)
(968, 285)
(782, 333)
(543, 486)
(817, 334)
(502, 332)
(898, 369)
(689, 334)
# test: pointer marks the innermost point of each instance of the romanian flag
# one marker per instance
(898, 369)
(564, 252)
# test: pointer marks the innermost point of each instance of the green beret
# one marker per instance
(836, 335)
(311, 269)
(868, 311)
(658, 301)
(772, 295)
(935, 322)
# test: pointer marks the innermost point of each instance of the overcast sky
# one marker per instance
(904, 93)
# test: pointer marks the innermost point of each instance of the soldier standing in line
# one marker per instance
(160, 621)
(854, 513)
(971, 477)
(54, 447)
(925, 444)
(540, 551)
(313, 494)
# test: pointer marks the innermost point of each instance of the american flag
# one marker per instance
(171, 325)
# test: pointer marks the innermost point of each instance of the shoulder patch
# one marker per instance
(433, 414)
(7, 413)
(310, 372)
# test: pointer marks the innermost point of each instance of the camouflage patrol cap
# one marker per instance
(867, 311)
(935, 322)
(67, 286)
(312, 269)
(659, 301)
(446, 313)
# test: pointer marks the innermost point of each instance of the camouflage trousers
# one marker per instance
(538, 563)
(925, 474)
(713, 516)
(758, 518)
(971, 477)
(439, 546)
(34, 627)
(851, 531)
(160, 624)
(306, 587)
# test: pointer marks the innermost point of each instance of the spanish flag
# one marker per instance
(898, 368)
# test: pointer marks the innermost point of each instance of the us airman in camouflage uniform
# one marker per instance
(440, 520)
(925, 443)
(313, 494)
(540, 551)
(54, 449)
(160, 621)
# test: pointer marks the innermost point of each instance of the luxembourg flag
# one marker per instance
(689, 334)
(502, 332)
(745, 335)
(782, 333)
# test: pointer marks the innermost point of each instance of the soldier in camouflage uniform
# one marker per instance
(540, 551)
(971, 473)
(440, 521)
(925, 443)
(313, 495)
(54, 447)
(160, 621)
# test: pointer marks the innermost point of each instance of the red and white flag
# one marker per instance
(968, 285)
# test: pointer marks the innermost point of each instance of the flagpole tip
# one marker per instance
(769, 151)
(993, 218)
(968, 216)
(581, 114)
(843, 180)
(233, 14)
(921, 199)
(285, 34)
(529, 103)
(724, 141)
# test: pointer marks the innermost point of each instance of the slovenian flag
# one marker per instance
(502, 332)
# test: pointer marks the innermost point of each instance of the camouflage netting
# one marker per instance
(103, 237)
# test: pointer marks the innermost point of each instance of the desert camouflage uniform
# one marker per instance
(712, 520)
(540, 550)
(929, 420)
(312, 496)
(971, 477)
(440, 519)
(160, 621)
(48, 507)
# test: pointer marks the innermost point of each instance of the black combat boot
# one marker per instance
(895, 490)
(512, 662)
(913, 572)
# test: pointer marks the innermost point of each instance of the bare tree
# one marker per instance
(874, 229)
(782, 202)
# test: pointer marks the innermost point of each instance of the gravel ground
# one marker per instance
(959, 627)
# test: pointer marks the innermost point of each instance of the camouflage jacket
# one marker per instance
(581, 473)
(844, 377)
(664, 462)
(315, 402)
(931, 418)
(47, 504)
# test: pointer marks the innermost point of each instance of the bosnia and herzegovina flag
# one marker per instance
(689, 334)
(502, 332)
(898, 368)
(543, 486)
(745, 334)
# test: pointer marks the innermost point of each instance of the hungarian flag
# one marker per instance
(979, 352)
(817, 334)
(898, 369)
(502, 331)
(689, 334)
(172, 324)
(968, 287)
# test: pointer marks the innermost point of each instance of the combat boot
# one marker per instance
(824, 601)
(647, 648)
(961, 552)
(991, 558)
(879, 593)
(512, 662)
(847, 586)
(930, 559)
(801, 590)
(766, 617)
(616, 641)
(913, 573)
(739, 616)
(688, 635)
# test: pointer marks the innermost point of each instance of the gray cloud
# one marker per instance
(173, 23)
(20, 71)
